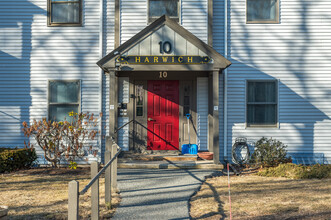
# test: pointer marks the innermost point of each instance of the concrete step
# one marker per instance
(136, 164)
(158, 157)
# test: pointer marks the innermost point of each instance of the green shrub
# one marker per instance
(15, 159)
(295, 171)
(270, 153)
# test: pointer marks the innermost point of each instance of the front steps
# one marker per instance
(129, 160)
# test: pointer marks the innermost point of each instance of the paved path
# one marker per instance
(157, 194)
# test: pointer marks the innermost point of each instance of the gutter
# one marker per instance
(100, 71)
(225, 124)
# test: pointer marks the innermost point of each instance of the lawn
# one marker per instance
(43, 193)
(255, 197)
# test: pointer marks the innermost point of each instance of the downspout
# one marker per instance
(225, 135)
(100, 71)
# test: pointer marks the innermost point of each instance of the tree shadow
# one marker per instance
(272, 52)
(15, 66)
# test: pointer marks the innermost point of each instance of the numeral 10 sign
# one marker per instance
(165, 47)
(163, 75)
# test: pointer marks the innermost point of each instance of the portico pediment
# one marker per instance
(164, 42)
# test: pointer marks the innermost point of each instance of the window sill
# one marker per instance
(262, 22)
(64, 25)
(261, 126)
(152, 19)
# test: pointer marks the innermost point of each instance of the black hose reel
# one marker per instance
(240, 151)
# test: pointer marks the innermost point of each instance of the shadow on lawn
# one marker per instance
(220, 211)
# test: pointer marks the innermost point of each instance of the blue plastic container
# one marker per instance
(193, 149)
(185, 149)
(189, 149)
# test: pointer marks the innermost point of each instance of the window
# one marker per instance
(261, 103)
(63, 97)
(187, 102)
(64, 12)
(262, 11)
(157, 8)
(139, 100)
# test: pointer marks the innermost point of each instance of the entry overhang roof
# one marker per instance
(219, 62)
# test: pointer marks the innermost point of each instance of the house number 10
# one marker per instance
(165, 47)
(163, 74)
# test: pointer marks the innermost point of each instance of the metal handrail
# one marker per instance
(124, 125)
(100, 172)
(135, 121)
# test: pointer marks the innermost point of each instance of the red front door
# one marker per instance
(163, 115)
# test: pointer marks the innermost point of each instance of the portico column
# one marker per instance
(216, 134)
(213, 117)
(113, 104)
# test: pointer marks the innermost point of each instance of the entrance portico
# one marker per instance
(155, 79)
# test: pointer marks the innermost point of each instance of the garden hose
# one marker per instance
(240, 151)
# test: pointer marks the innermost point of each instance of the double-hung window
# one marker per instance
(157, 8)
(262, 103)
(63, 98)
(64, 12)
(262, 11)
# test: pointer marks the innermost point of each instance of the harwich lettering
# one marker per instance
(163, 60)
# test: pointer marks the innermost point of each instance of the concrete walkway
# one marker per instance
(157, 193)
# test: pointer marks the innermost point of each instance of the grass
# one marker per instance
(43, 194)
(256, 197)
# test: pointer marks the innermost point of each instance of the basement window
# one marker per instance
(63, 98)
(64, 13)
(262, 11)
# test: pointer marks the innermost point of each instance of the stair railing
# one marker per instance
(136, 122)
(110, 169)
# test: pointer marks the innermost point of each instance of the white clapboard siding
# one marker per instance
(296, 52)
(133, 17)
(202, 113)
(194, 17)
(31, 53)
(123, 134)
(218, 26)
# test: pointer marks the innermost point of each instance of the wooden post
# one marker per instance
(215, 134)
(94, 192)
(108, 173)
(73, 200)
(114, 169)
(113, 102)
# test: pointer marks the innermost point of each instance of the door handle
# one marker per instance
(151, 119)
